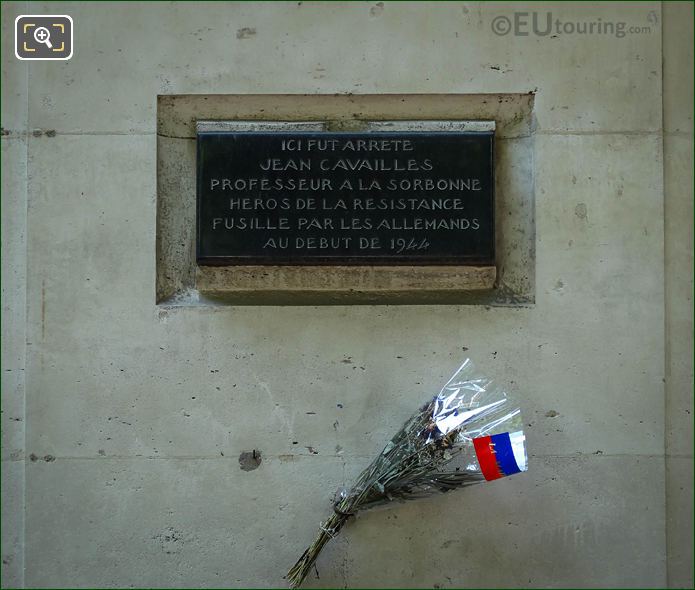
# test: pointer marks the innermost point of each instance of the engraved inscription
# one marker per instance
(345, 198)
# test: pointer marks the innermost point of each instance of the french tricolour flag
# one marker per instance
(500, 455)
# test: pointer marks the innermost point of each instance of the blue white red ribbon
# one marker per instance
(500, 455)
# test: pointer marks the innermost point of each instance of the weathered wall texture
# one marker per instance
(121, 438)
(13, 307)
(678, 207)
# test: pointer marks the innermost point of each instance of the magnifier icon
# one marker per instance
(41, 35)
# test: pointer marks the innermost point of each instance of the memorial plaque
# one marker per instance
(345, 198)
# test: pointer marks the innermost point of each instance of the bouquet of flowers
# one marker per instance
(469, 433)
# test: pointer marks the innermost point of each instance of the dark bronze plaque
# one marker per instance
(376, 198)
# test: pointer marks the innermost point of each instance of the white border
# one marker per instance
(203, 126)
(406, 125)
(72, 33)
(425, 125)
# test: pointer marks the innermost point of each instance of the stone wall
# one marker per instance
(124, 419)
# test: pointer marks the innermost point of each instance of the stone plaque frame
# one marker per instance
(180, 281)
